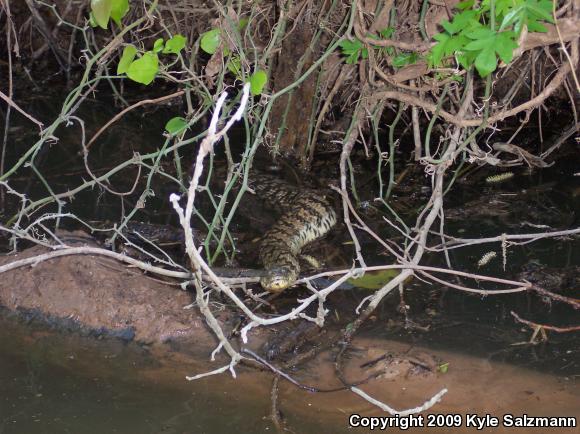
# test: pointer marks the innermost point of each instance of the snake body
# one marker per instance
(305, 215)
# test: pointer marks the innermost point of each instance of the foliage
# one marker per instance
(355, 50)
(175, 125)
(471, 36)
(144, 69)
(257, 82)
(404, 59)
(127, 57)
(374, 279)
(175, 45)
(210, 41)
(103, 10)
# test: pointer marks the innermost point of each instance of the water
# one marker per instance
(51, 383)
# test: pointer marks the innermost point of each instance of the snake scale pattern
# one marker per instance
(305, 215)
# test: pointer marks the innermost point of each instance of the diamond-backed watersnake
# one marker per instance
(305, 215)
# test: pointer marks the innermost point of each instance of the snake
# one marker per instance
(305, 215)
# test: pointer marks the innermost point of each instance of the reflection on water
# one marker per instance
(53, 384)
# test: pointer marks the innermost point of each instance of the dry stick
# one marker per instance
(346, 150)
(427, 405)
(575, 303)
(205, 148)
(565, 136)
(436, 205)
(9, 28)
(85, 151)
(128, 109)
(22, 112)
(461, 122)
(60, 252)
(416, 129)
(365, 227)
(344, 74)
(456, 243)
(564, 47)
(280, 373)
(202, 266)
(523, 287)
(275, 415)
(48, 35)
(545, 326)
(519, 286)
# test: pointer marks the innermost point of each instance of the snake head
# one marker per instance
(278, 279)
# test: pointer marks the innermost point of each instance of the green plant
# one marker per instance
(103, 10)
(144, 69)
(355, 50)
(474, 38)
(210, 43)
(175, 125)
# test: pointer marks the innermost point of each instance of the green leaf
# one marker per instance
(465, 5)
(235, 66)
(126, 58)
(448, 45)
(479, 44)
(92, 21)
(464, 21)
(540, 13)
(511, 17)
(505, 46)
(119, 9)
(374, 279)
(210, 41)
(387, 33)
(466, 58)
(480, 33)
(143, 70)
(353, 50)
(242, 24)
(534, 26)
(175, 45)
(175, 125)
(158, 45)
(101, 10)
(404, 59)
(528, 13)
(486, 62)
(438, 51)
(455, 43)
(257, 82)
(448, 27)
(351, 47)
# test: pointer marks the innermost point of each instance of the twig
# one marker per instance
(544, 326)
(426, 406)
(22, 112)
(128, 109)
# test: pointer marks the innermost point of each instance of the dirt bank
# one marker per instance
(105, 297)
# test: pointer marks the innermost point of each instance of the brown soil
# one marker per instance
(101, 294)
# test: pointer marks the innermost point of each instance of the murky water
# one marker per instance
(58, 384)
(50, 383)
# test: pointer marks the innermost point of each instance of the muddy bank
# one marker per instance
(121, 388)
(104, 297)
